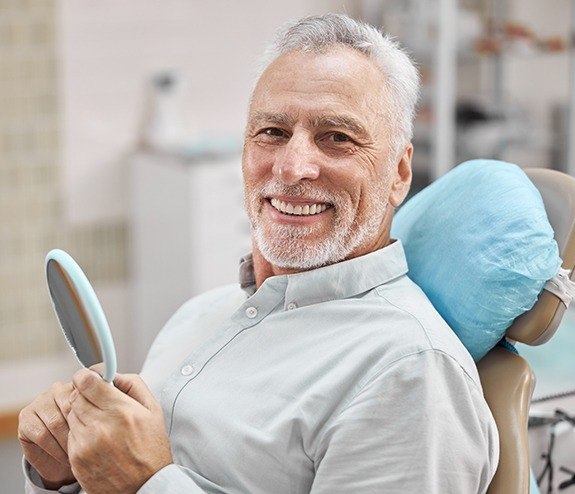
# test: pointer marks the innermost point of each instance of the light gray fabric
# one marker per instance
(360, 388)
(34, 484)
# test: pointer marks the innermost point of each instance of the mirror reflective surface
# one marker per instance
(79, 312)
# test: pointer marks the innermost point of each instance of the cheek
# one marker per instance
(255, 177)
(248, 164)
(374, 196)
(357, 183)
(256, 161)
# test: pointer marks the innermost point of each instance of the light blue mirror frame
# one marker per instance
(90, 304)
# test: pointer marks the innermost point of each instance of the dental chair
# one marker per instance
(482, 242)
(507, 379)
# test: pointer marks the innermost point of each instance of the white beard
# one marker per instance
(293, 247)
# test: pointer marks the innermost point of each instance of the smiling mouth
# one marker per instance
(298, 209)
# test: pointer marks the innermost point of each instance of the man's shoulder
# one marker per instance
(422, 325)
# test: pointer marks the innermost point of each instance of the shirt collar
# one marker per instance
(336, 281)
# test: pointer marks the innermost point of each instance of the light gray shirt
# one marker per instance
(340, 379)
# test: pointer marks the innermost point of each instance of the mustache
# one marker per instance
(301, 189)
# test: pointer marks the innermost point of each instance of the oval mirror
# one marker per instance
(80, 314)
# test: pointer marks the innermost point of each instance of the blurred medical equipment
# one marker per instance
(486, 130)
(165, 130)
(474, 47)
(558, 422)
(163, 124)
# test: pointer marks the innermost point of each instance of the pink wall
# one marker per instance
(108, 51)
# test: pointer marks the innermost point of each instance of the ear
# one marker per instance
(402, 179)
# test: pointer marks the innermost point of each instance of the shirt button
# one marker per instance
(187, 370)
(291, 306)
(251, 312)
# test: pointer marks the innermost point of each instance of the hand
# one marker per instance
(117, 437)
(43, 435)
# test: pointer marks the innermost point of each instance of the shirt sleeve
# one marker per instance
(175, 479)
(421, 425)
(33, 482)
(171, 479)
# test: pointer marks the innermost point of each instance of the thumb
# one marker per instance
(133, 386)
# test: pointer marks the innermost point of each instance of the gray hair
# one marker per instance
(317, 34)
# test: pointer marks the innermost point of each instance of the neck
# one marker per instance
(263, 269)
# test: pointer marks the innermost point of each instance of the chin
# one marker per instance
(297, 253)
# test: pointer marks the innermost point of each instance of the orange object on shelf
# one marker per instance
(553, 44)
(488, 45)
(517, 30)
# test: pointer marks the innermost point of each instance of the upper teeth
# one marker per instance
(298, 209)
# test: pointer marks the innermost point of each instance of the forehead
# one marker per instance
(342, 80)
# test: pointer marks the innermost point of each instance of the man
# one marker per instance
(330, 371)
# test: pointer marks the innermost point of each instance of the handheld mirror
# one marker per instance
(79, 312)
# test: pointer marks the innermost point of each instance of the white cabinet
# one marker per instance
(188, 231)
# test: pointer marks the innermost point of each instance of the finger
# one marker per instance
(98, 369)
(130, 388)
(62, 398)
(92, 387)
(73, 439)
(84, 410)
(133, 386)
(67, 405)
(61, 392)
(56, 423)
(33, 431)
(76, 422)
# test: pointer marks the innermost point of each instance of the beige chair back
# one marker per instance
(507, 379)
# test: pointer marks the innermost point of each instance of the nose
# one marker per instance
(297, 160)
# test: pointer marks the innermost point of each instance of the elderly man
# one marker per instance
(329, 370)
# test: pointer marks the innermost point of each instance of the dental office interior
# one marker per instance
(121, 130)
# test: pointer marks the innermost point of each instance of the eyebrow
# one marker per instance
(261, 117)
(339, 121)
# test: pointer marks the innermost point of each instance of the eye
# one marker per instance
(273, 132)
(271, 136)
(340, 137)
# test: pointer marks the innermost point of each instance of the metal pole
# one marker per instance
(499, 15)
(570, 165)
(445, 89)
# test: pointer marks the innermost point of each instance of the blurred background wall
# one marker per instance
(83, 168)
